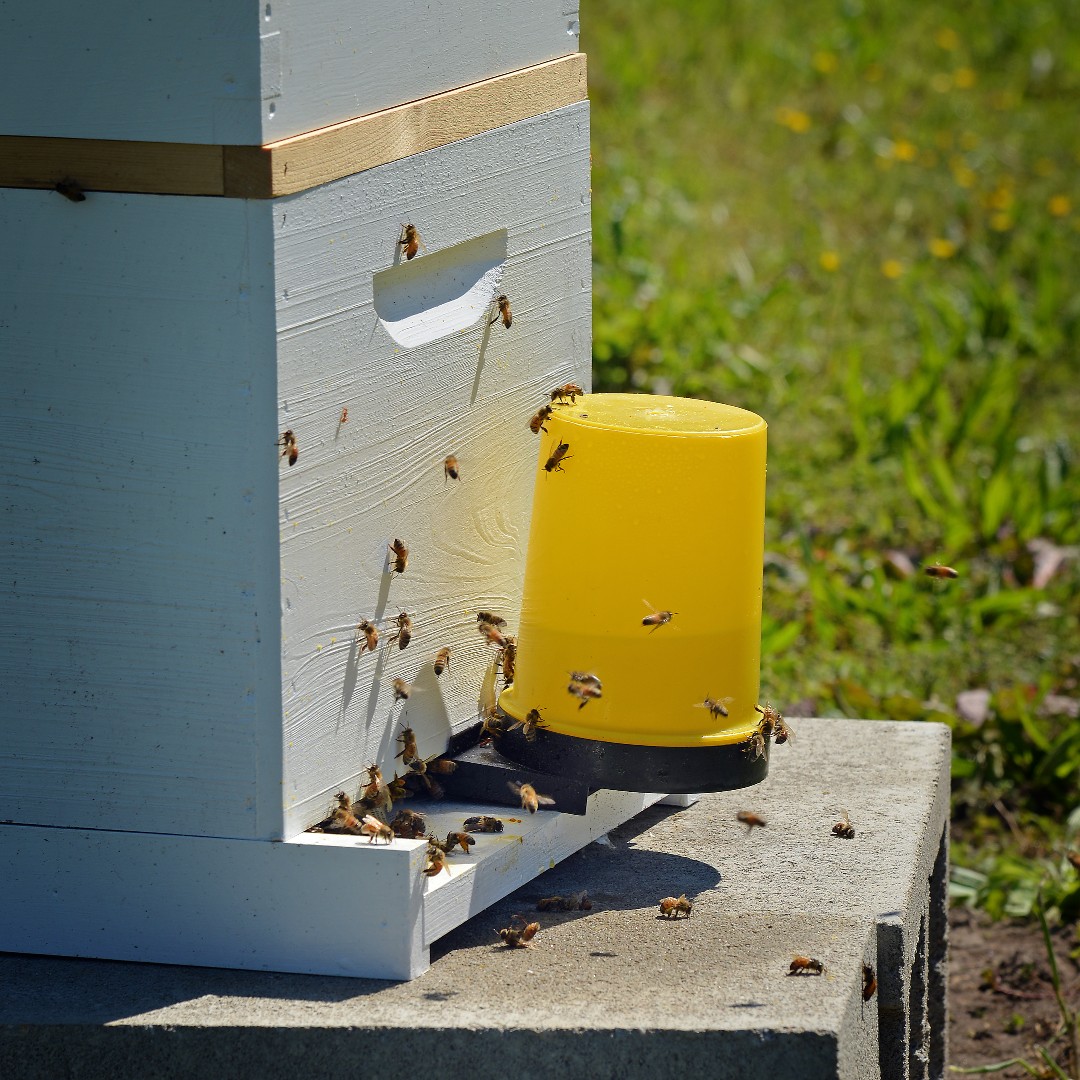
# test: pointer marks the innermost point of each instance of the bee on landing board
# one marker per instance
(536, 422)
(442, 660)
(530, 799)
(410, 242)
(436, 861)
(519, 936)
(342, 818)
(558, 456)
(806, 965)
(657, 618)
(409, 825)
(289, 449)
(450, 468)
(374, 829)
(484, 823)
(368, 635)
(672, 906)
(502, 306)
(458, 839)
(844, 828)
(404, 631)
(399, 556)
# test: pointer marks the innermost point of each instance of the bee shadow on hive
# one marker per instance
(480, 359)
(380, 656)
(424, 711)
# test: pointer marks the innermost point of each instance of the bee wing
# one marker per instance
(545, 800)
(514, 786)
(371, 821)
(790, 732)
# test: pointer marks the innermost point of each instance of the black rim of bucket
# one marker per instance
(675, 770)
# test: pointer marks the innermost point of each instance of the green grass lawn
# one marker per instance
(862, 221)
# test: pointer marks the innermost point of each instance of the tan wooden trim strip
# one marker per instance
(304, 161)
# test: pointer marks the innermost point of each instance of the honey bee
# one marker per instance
(804, 965)
(492, 634)
(404, 631)
(70, 189)
(1074, 859)
(396, 789)
(483, 823)
(570, 390)
(344, 418)
(408, 751)
(450, 468)
(519, 937)
(755, 744)
(409, 825)
(436, 861)
(939, 571)
(399, 556)
(558, 456)
(508, 659)
(368, 634)
(586, 677)
(536, 423)
(574, 902)
(488, 617)
(770, 726)
(844, 827)
(289, 449)
(869, 982)
(530, 799)
(458, 839)
(441, 766)
(750, 820)
(410, 241)
(376, 792)
(503, 312)
(530, 725)
(343, 819)
(442, 660)
(401, 689)
(374, 829)
(419, 769)
(493, 725)
(671, 906)
(586, 691)
(657, 618)
(717, 707)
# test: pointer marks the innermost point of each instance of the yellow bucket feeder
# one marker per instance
(640, 632)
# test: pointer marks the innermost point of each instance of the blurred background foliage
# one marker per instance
(862, 221)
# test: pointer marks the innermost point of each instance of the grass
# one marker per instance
(862, 222)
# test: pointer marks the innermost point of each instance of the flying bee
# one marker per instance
(503, 312)
(939, 571)
(716, 706)
(436, 861)
(489, 617)
(404, 631)
(508, 659)
(585, 691)
(657, 618)
(574, 902)
(586, 677)
(459, 839)
(408, 751)
(344, 418)
(750, 820)
(401, 689)
(536, 423)
(70, 189)
(410, 241)
(530, 725)
(399, 556)
(368, 635)
(442, 660)
(374, 829)
(672, 906)
(483, 823)
(558, 456)
(492, 634)
(804, 965)
(289, 449)
(519, 937)
(844, 828)
(869, 982)
(450, 468)
(561, 393)
(409, 825)
(530, 799)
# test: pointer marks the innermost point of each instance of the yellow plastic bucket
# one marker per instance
(655, 505)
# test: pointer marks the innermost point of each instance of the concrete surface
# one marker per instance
(615, 991)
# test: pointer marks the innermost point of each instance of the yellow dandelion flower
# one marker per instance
(892, 268)
(1059, 205)
(825, 62)
(829, 261)
(964, 78)
(903, 150)
(1044, 166)
(1001, 222)
(941, 248)
(793, 119)
(941, 82)
(947, 38)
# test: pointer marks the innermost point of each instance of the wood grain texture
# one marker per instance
(359, 485)
(139, 580)
(296, 164)
(237, 72)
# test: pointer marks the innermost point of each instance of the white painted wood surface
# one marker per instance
(139, 573)
(247, 72)
(359, 485)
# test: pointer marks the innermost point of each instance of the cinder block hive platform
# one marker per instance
(612, 992)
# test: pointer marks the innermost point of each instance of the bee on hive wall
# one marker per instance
(399, 556)
(289, 449)
(404, 631)
(503, 312)
(410, 241)
(450, 468)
